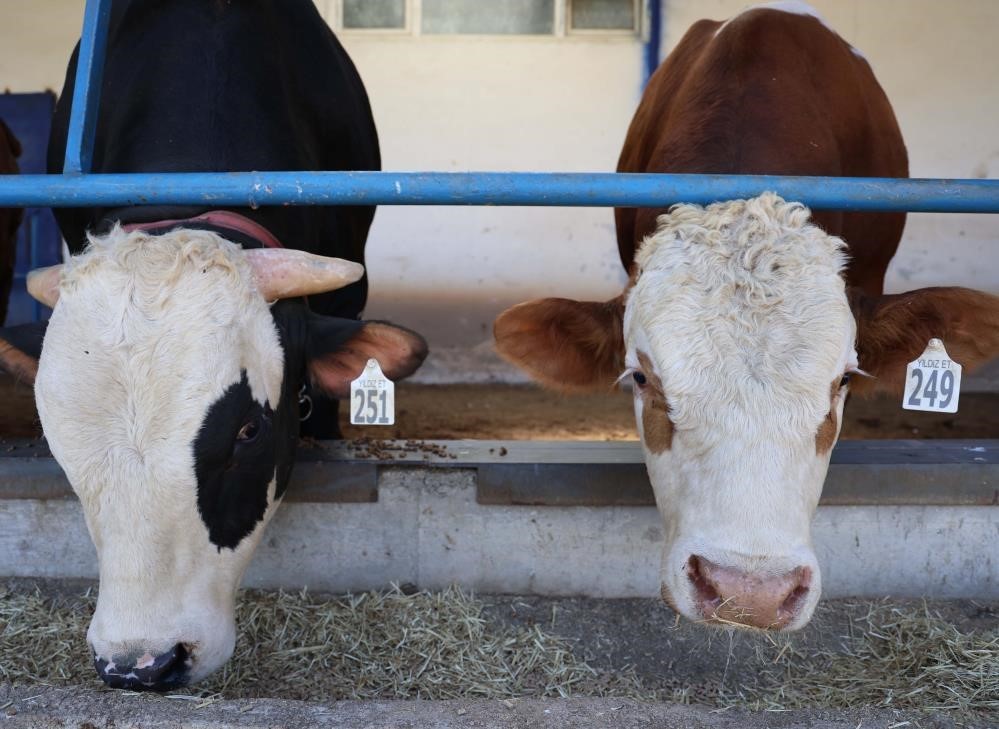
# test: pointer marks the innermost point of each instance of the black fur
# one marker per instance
(234, 475)
(215, 86)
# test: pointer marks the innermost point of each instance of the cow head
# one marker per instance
(167, 389)
(741, 342)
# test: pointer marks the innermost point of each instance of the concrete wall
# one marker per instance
(541, 103)
(428, 530)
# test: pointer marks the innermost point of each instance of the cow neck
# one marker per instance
(219, 221)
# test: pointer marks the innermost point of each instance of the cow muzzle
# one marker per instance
(730, 595)
(146, 672)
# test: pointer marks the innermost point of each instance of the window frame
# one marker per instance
(636, 30)
(332, 11)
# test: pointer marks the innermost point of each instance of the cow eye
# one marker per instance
(846, 380)
(638, 377)
(249, 432)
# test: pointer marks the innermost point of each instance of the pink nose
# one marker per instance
(729, 595)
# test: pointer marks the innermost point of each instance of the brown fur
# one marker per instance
(399, 354)
(22, 366)
(566, 345)
(10, 218)
(657, 428)
(894, 330)
(773, 93)
(825, 438)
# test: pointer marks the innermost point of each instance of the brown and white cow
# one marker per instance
(745, 322)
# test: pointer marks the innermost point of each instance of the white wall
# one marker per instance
(469, 103)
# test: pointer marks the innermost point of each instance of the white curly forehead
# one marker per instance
(742, 303)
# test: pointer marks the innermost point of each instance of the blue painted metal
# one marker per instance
(87, 89)
(38, 241)
(654, 43)
(254, 189)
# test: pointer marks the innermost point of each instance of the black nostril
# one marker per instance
(706, 592)
(792, 603)
(164, 672)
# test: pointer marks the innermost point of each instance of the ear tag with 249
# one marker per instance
(932, 381)
(372, 397)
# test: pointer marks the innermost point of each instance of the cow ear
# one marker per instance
(564, 344)
(20, 348)
(894, 330)
(338, 350)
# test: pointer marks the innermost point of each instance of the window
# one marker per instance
(387, 14)
(603, 15)
(555, 18)
(496, 17)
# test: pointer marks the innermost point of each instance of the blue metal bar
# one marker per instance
(87, 89)
(253, 189)
(653, 44)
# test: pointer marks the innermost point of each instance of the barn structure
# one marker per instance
(541, 86)
(550, 85)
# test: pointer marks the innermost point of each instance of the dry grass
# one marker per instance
(440, 645)
(899, 658)
(372, 645)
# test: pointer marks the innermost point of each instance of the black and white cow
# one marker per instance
(168, 379)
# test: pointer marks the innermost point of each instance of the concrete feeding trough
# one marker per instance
(901, 518)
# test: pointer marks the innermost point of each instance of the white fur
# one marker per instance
(147, 333)
(743, 311)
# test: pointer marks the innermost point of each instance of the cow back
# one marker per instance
(769, 92)
(215, 86)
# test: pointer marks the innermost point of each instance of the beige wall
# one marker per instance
(453, 103)
(36, 38)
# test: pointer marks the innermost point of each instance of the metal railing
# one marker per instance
(78, 187)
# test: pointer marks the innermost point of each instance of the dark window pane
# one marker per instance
(603, 14)
(521, 17)
(374, 13)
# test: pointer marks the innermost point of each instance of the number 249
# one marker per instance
(929, 390)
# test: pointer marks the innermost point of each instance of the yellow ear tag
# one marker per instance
(932, 381)
(372, 397)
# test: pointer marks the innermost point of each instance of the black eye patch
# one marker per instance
(234, 472)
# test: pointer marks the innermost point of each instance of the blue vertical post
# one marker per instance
(87, 88)
(654, 43)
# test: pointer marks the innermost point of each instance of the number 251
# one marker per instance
(371, 406)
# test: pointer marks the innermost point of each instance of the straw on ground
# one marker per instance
(441, 645)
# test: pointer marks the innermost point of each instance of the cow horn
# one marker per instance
(43, 284)
(283, 273)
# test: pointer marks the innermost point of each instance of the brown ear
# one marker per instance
(20, 348)
(563, 344)
(893, 330)
(340, 348)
